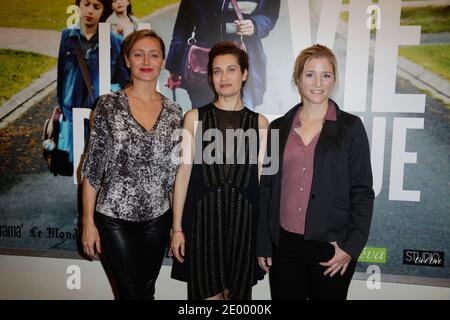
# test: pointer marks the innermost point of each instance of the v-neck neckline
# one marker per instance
(301, 139)
(299, 122)
(155, 125)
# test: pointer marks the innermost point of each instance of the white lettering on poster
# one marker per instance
(388, 38)
(399, 157)
(104, 60)
(377, 154)
(357, 61)
(384, 99)
(79, 115)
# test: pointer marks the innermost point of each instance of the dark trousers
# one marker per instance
(133, 253)
(296, 274)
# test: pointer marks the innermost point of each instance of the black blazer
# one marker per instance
(341, 199)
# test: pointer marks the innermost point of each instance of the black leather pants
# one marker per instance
(133, 253)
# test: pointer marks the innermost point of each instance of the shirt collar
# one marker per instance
(330, 115)
(77, 32)
(331, 111)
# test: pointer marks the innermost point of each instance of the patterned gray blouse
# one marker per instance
(132, 169)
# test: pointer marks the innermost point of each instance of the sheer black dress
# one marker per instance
(219, 216)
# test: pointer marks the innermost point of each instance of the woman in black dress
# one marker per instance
(216, 187)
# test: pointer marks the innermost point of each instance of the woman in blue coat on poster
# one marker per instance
(206, 22)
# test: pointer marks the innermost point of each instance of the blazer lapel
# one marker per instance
(285, 129)
(328, 133)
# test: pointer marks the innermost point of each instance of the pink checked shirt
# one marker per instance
(298, 165)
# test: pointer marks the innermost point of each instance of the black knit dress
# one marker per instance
(219, 216)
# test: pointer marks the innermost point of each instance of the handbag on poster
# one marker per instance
(195, 73)
(57, 130)
(55, 144)
(196, 69)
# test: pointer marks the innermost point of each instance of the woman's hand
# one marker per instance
(265, 263)
(91, 241)
(245, 27)
(339, 262)
(177, 243)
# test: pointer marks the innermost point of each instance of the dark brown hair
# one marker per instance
(223, 48)
(107, 8)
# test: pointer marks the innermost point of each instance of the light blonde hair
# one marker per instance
(315, 51)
